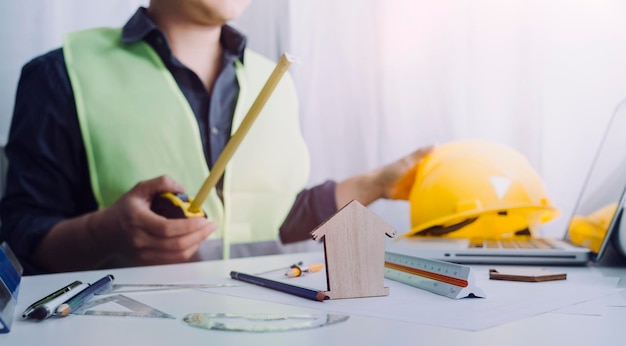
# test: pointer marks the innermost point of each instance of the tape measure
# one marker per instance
(180, 206)
(444, 278)
(137, 309)
(174, 206)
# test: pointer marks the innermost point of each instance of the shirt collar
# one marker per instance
(233, 41)
(140, 25)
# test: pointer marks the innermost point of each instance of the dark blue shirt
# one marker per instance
(48, 177)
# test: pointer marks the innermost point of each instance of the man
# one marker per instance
(116, 117)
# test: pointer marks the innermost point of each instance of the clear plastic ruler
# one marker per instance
(134, 308)
(444, 278)
(261, 323)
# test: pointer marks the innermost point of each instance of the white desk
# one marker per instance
(544, 329)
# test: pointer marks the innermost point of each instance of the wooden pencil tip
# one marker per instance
(322, 296)
(63, 310)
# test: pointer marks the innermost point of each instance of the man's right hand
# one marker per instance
(129, 228)
(126, 229)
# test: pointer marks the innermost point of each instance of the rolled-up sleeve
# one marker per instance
(311, 208)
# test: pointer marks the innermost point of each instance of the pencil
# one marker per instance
(281, 286)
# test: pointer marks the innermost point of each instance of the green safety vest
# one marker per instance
(137, 124)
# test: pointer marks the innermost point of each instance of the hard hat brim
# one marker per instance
(547, 213)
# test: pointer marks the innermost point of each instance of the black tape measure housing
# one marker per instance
(174, 206)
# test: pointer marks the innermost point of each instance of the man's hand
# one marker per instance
(129, 228)
(392, 181)
(398, 177)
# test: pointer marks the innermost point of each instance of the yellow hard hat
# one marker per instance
(589, 231)
(477, 188)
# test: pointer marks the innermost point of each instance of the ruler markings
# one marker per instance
(428, 274)
(445, 278)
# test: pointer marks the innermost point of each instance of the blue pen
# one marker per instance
(103, 285)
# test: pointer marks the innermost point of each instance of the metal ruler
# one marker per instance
(137, 309)
(444, 278)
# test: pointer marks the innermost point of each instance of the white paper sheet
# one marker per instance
(506, 301)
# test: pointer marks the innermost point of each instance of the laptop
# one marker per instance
(602, 199)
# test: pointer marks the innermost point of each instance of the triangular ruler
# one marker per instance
(447, 279)
(134, 308)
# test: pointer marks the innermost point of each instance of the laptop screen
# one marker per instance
(603, 192)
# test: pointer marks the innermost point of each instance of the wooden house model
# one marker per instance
(354, 246)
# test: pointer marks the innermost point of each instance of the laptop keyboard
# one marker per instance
(524, 243)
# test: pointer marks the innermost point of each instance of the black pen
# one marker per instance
(103, 285)
(29, 310)
(46, 309)
(281, 286)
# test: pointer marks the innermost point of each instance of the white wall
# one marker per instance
(32, 27)
(585, 69)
